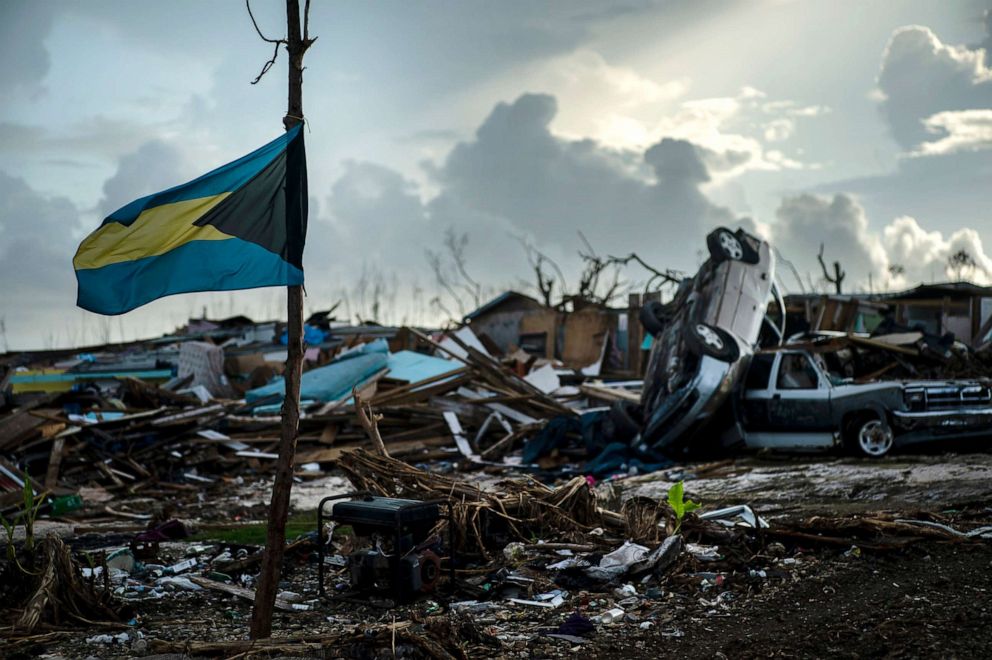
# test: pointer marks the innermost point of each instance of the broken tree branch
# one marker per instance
(370, 422)
(277, 42)
(668, 276)
(838, 278)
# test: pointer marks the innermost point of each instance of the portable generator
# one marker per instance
(401, 555)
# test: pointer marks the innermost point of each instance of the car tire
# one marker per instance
(652, 316)
(705, 339)
(724, 245)
(868, 436)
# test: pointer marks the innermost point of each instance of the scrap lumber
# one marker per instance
(19, 426)
(609, 393)
(240, 592)
(881, 345)
(54, 463)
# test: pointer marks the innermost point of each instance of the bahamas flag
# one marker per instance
(241, 226)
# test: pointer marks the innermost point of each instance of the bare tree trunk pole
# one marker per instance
(275, 542)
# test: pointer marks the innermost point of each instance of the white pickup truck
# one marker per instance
(791, 401)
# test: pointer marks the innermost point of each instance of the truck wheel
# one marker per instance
(652, 317)
(869, 436)
(712, 341)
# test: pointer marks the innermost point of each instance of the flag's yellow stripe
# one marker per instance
(155, 231)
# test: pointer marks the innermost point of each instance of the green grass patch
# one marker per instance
(255, 533)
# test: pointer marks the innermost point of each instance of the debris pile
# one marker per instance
(99, 425)
(154, 462)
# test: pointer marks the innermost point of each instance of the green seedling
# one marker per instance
(8, 527)
(680, 505)
(31, 506)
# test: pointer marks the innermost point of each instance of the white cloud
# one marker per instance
(925, 254)
(779, 130)
(721, 126)
(793, 109)
(839, 223)
(960, 130)
(922, 77)
(623, 109)
(599, 100)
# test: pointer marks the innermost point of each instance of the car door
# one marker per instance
(757, 392)
(800, 396)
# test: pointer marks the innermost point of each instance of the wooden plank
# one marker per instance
(22, 425)
(397, 392)
(882, 346)
(328, 435)
(609, 393)
(54, 463)
(240, 592)
(423, 393)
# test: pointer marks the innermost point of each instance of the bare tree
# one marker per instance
(451, 272)
(438, 305)
(441, 277)
(546, 271)
(838, 277)
(658, 279)
(456, 245)
(961, 261)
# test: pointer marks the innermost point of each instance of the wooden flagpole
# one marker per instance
(268, 579)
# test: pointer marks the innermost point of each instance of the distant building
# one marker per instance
(961, 308)
(579, 338)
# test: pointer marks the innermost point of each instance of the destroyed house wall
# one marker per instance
(940, 316)
(502, 328)
(575, 338)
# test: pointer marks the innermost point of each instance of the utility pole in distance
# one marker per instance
(296, 44)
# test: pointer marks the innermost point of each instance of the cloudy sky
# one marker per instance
(508, 127)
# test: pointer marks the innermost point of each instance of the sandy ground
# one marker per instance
(836, 486)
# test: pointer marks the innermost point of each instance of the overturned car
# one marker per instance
(702, 339)
(791, 401)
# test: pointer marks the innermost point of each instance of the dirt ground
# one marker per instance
(930, 599)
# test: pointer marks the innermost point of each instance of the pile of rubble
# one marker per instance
(89, 425)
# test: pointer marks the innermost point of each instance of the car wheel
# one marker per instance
(714, 342)
(652, 317)
(870, 437)
(724, 245)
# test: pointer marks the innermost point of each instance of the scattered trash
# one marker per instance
(614, 615)
(735, 515)
(618, 562)
(120, 638)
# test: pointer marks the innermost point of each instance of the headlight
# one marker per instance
(915, 399)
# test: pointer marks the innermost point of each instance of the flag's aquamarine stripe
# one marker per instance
(196, 266)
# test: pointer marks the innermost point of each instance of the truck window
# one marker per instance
(795, 372)
(760, 371)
